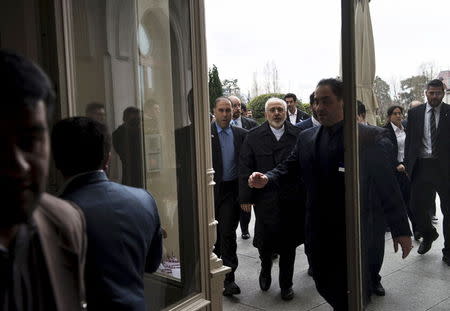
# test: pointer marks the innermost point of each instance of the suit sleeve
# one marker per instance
(388, 189)
(407, 143)
(246, 167)
(289, 166)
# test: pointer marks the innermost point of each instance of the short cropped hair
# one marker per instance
(128, 112)
(222, 98)
(80, 145)
(92, 107)
(290, 95)
(312, 98)
(337, 86)
(23, 83)
(361, 108)
(436, 83)
(275, 100)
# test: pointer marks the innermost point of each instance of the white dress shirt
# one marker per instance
(293, 117)
(314, 121)
(401, 136)
(427, 150)
(277, 132)
(237, 122)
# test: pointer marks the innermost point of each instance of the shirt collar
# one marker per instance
(280, 130)
(219, 129)
(436, 109)
(314, 121)
(292, 114)
(396, 128)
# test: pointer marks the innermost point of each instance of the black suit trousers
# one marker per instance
(286, 264)
(227, 211)
(428, 179)
(245, 221)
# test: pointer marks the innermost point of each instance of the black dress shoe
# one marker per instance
(417, 235)
(265, 279)
(287, 293)
(310, 272)
(378, 289)
(245, 236)
(425, 246)
(446, 259)
(231, 288)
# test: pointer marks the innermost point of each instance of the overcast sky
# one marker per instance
(303, 39)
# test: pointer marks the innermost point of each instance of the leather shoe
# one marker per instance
(378, 289)
(425, 246)
(245, 236)
(287, 293)
(446, 259)
(265, 279)
(230, 289)
(417, 235)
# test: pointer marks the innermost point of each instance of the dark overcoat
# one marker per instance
(279, 212)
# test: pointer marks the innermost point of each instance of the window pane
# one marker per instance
(134, 58)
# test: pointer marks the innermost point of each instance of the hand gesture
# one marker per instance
(257, 180)
(405, 243)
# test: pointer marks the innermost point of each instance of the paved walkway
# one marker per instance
(416, 283)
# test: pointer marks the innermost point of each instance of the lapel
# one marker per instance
(298, 117)
(62, 261)
(244, 123)
(421, 121)
(216, 145)
(443, 117)
(236, 141)
(314, 142)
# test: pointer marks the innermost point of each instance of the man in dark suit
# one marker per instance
(42, 238)
(294, 115)
(226, 141)
(123, 228)
(318, 158)
(312, 121)
(427, 160)
(248, 124)
(279, 214)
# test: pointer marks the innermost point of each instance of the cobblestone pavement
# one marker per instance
(416, 283)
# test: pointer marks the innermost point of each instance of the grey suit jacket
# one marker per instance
(62, 231)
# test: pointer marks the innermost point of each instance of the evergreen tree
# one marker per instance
(215, 86)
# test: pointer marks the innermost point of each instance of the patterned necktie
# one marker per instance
(433, 133)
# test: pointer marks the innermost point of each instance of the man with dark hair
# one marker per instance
(248, 124)
(312, 121)
(226, 144)
(127, 142)
(122, 222)
(318, 158)
(427, 161)
(294, 115)
(37, 230)
(361, 113)
(96, 111)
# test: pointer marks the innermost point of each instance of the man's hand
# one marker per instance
(400, 168)
(246, 207)
(257, 180)
(405, 243)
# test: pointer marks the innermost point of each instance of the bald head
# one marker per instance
(414, 104)
(236, 102)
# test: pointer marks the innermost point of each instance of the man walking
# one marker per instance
(279, 214)
(294, 114)
(427, 160)
(226, 141)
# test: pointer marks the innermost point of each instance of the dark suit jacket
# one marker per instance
(301, 116)
(238, 135)
(393, 139)
(248, 123)
(123, 229)
(325, 206)
(62, 231)
(279, 214)
(414, 135)
(305, 124)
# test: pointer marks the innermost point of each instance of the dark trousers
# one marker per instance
(376, 252)
(428, 179)
(227, 214)
(245, 220)
(286, 264)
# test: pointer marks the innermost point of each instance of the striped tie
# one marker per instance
(433, 133)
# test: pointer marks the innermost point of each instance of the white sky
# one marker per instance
(303, 38)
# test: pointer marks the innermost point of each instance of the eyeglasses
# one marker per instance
(438, 93)
(279, 109)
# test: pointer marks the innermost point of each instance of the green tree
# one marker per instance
(215, 86)
(412, 89)
(382, 92)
